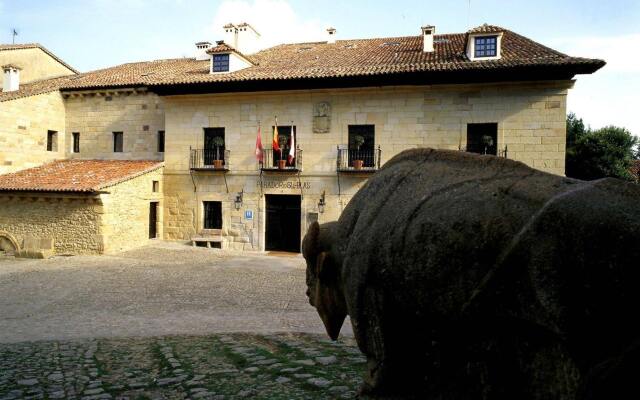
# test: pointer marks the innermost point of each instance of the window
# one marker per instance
(214, 145)
(485, 46)
(155, 186)
(220, 62)
(76, 142)
(482, 138)
(52, 141)
(212, 214)
(118, 142)
(160, 141)
(362, 144)
(284, 142)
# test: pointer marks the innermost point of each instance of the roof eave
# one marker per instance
(476, 75)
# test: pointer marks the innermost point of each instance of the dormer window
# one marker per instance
(485, 46)
(220, 63)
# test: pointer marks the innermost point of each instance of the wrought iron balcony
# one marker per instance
(363, 160)
(275, 161)
(209, 160)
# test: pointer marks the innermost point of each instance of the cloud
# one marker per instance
(275, 20)
(607, 97)
(617, 51)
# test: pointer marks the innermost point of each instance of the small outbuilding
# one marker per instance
(73, 207)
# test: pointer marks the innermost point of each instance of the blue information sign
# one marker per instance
(248, 214)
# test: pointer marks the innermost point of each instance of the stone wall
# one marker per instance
(23, 131)
(126, 221)
(530, 118)
(71, 222)
(96, 115)
(35, 64)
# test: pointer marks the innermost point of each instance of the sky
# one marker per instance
(93, 34)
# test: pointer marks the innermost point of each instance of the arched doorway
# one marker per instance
(8, 244)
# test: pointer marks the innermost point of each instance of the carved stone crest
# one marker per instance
(322, 117)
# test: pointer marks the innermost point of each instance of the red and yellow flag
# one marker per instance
(276, 145)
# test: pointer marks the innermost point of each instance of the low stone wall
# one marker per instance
(44, 224)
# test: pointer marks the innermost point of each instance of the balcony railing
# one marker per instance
(499, 152)
(271, 161)
(363, 160)
(209, 160)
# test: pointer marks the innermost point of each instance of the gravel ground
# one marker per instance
(161, 289)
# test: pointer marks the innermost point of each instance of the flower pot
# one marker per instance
(217, 164)
(282, 164)
(357, 164)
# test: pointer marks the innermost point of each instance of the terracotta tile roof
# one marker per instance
(35, 88)
(342, 59)
(35, 46)
(221, 47)
(485, 28)
(86, 176)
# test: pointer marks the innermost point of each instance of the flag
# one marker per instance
(276, 146)
(259, 152)
(292, 148)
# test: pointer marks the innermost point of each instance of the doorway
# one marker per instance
(212, 215)
(153, 220)
(283, 223)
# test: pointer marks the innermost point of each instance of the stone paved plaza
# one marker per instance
(224, 366)
(167, 321)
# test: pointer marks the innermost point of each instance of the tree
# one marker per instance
(594, 154)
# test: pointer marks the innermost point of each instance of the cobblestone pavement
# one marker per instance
(161, 289)
(224, 366)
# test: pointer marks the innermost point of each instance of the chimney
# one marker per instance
(201, 51)
(331, 35)
(231, 35)
(427, 38)
(11, 81)
(248, 39)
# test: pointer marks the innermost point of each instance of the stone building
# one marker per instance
(80, 207)
(347, 105)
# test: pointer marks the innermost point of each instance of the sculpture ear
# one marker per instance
(311, 243)
(326, 270)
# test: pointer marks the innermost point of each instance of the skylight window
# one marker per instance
(485, 46)
(220, 63)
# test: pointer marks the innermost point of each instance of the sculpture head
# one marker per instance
(324, 285)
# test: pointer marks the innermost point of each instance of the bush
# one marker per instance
(595, 154)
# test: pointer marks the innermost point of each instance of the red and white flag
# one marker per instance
(259, 150)
(292, 148)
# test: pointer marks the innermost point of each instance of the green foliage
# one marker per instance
(595, 154)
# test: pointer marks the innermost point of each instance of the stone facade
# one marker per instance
(35, 64)
(43, 224)
(24, 124)
(530, 118)
(139, 115)
(126, 221)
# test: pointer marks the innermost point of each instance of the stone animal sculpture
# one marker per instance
(477, 277)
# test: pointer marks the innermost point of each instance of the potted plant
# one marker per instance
(487, 141)
(358, 141)
(218, 142)
(282, 140)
